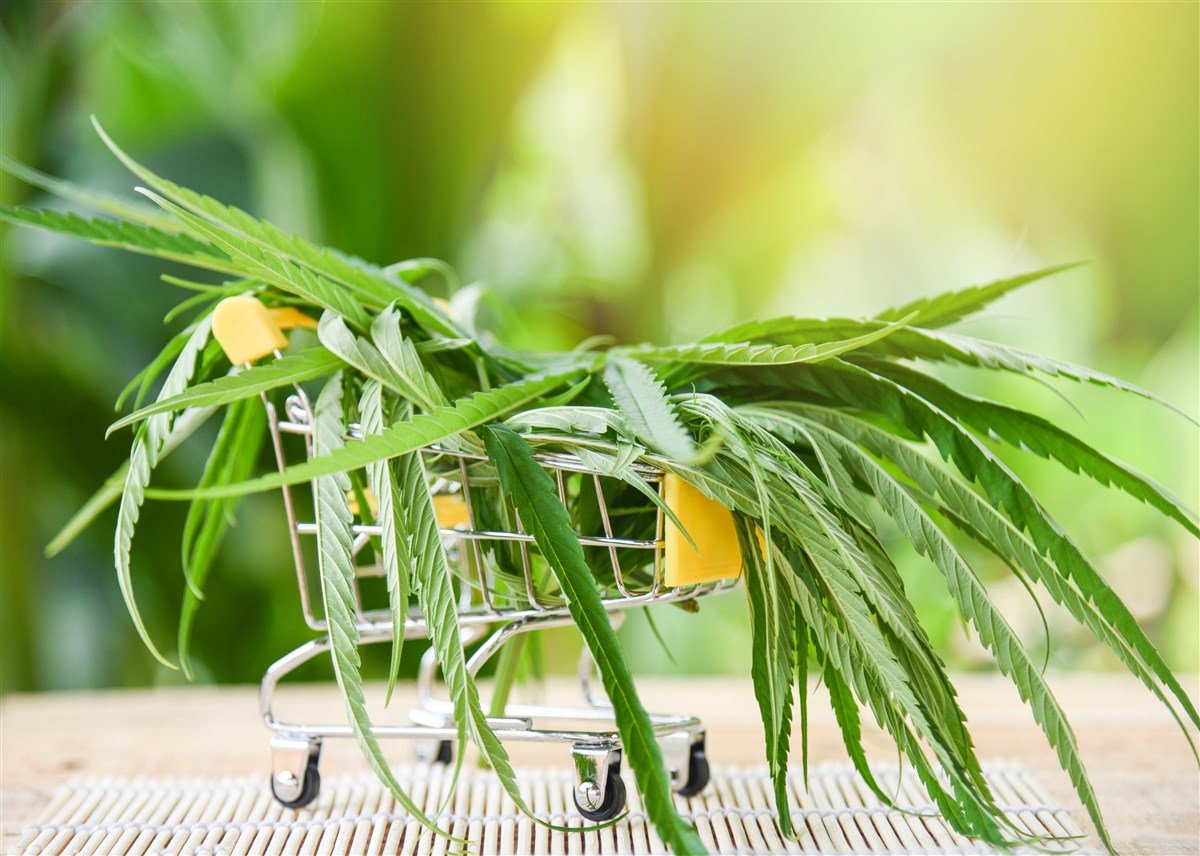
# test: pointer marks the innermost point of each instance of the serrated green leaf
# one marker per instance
(436, 346)
(944, 345)
(938, 346)
(254, 262)
(295, 368)
(336, 565)
(951, 306)
(145, 240)
(365, 279)
(114, 206)
(231, 459)
(405, 361)
(873, 392)
(771, 663)
(650, 415)
(898, 668)
(861, 653)
(969, 511)
(976, 606)
(147, 451)
(110, 491)
(437, 597)
(360, 354)
(788, 329)
(618, 463)
(1041, 437)
(583, 420)
(749, 354)
(142, 380)
(533, 494)
(418, 524)
(845, 711)
(397, 439)
(396, 554)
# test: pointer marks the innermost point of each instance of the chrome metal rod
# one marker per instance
(359, 529)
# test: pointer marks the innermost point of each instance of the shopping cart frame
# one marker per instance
(493, 621)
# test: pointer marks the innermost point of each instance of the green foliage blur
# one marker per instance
(650, 171)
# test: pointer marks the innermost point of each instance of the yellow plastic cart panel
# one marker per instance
(372, 502)
(245, 329)
(710, 525)
(451, 510)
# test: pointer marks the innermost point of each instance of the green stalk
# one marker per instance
(507, 666)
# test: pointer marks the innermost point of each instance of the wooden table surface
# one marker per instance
(1140, 764)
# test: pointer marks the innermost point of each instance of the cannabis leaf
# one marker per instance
(943, 345)
(642, 400)
(532, 492)
(336, 565)
(436, 595)
(360, 354)
(137, 238)
(812, 430)
(749, 354)
(232, 458)
(148, 448)
(584, 420)
(286, 371)
(772, 625)
(396, 553)
(106, 203)
(1041, 437)
(109, 492)
(263, 264)
(953, 306)
(404, 358)
(1005, 491)
(947, 493)
(976, 606)
(274, 243)
(933, 346)
(397, 439)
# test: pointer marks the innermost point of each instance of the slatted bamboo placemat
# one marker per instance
(835, 814)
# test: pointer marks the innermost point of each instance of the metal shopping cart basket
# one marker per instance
(495, 605)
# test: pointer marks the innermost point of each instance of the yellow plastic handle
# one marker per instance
(245, 329)
(716, 555)
(289, 317)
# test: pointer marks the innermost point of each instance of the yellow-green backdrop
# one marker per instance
(649, 171)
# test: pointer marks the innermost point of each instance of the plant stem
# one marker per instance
(506, 673)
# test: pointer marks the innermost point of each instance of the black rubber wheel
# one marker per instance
(445, 752)
(614, 797)
(698, 772)
(308, 791)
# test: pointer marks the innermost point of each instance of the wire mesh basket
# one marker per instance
(504, 587)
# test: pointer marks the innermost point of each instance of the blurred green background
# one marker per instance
(650, 171)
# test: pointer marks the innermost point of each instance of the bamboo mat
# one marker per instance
(835, 814)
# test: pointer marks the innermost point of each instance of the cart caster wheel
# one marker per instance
(294, 777)
(445, 753)
(614, 796)
(698, 773)
(309, 788)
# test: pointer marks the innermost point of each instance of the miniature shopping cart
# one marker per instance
(497, 601)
